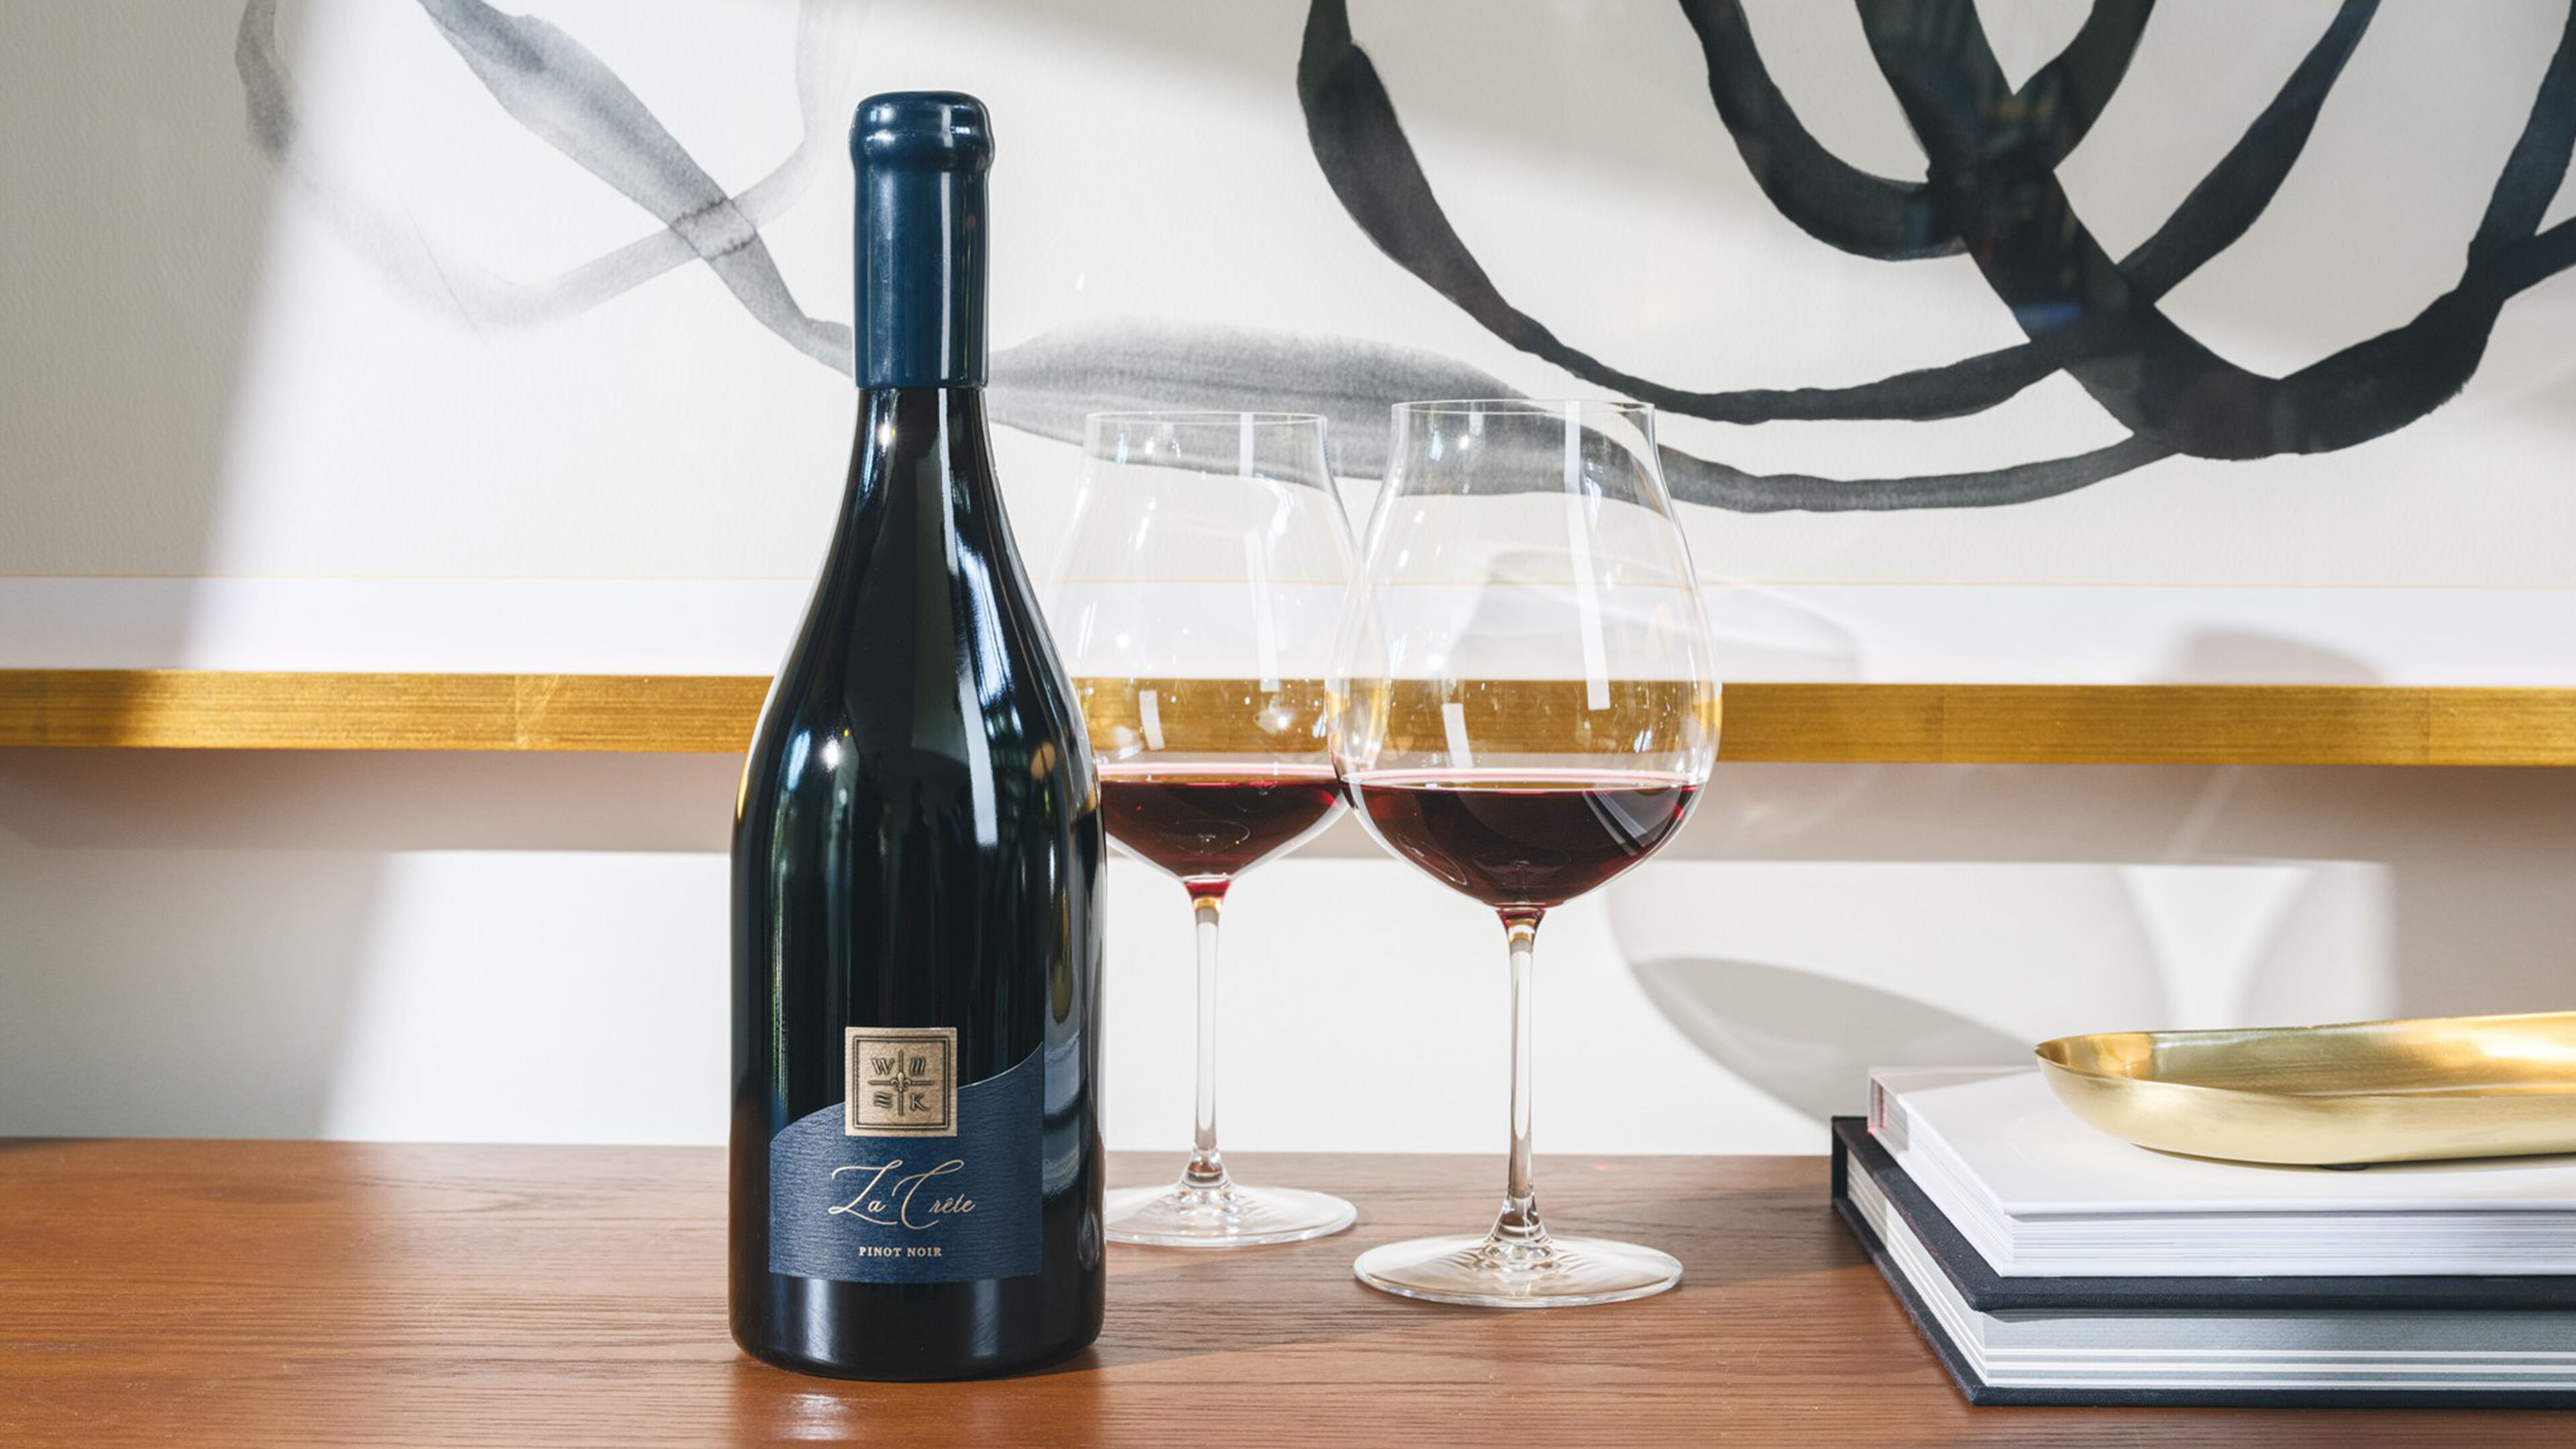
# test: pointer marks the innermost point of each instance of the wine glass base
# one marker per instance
(1476, 1271)
(1229, 1216)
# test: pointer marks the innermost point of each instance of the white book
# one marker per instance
(2038, 1193)
(2114, 1349)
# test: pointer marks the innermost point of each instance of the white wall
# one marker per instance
(231, 415)
(483, 948)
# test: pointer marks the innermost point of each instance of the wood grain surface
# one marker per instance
(294, 1293)
(1815, 723)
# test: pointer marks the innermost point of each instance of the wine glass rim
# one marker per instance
(1526, 406)
(1228, 417)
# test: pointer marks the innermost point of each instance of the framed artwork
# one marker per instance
(2039, 380)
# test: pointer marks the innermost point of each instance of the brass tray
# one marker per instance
(2371, 1091)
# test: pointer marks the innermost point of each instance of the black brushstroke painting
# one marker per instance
(1991, 192)
(570, 98)
(1993, 151)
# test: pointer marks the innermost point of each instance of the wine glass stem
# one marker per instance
(1207, 1165)
(1519, 1222)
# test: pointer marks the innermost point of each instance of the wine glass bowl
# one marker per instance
(1204, 570)
(1524, 707)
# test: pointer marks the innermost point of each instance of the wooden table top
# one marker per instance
(295, 1293)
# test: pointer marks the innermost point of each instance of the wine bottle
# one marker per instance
(916, 1159)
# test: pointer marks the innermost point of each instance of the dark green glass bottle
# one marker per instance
(916, 1159)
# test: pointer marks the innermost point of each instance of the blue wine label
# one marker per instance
(911, 1178)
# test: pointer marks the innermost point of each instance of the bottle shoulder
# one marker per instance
(923, 655)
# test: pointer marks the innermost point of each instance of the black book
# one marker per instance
(2441, 1342)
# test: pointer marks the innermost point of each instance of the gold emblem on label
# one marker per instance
(901, 1081)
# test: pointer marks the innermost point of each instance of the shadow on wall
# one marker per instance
(1815, 921)
(144, 986)
(1805, 1038)
(137, 231)
(298, 945)
(2240, 656)
(1799, 978)
(1967, 964)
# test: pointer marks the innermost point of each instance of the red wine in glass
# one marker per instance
(1209, 823)
(1518, 839)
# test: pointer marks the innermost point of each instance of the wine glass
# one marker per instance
(1524, 709)
(1202, 579)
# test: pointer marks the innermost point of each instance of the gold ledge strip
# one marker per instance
(2170, 724)
(235, 710)
(2149, 724)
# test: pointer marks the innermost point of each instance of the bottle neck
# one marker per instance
(929, 413)
(921, 258)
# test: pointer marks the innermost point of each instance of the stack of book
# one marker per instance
(2050, 1263)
